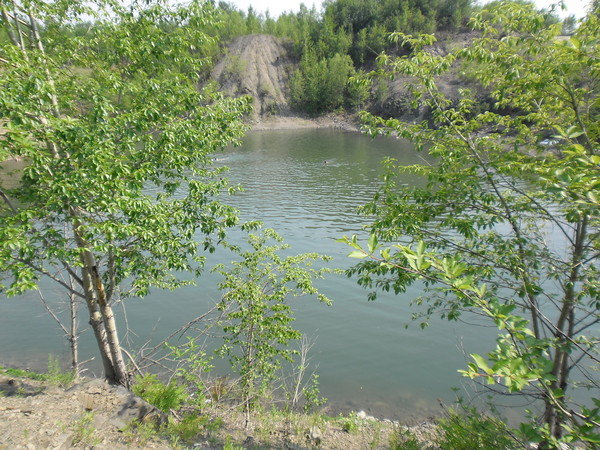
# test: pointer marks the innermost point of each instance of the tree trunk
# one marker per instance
(564, 332)
(73, 333)
(102, 318)
(97, 325)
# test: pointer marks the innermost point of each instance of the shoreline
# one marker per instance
(342, 122)
(405, 415)
(84, 413)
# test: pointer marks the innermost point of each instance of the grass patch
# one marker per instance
(350, 424)
(54, 374)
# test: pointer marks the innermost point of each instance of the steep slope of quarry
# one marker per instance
(257, 65)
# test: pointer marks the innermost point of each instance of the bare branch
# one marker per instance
(9, 31)
(51, 312)
(52, 277)
(137, 369)
(8, 202)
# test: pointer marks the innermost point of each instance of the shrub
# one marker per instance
(164, 396)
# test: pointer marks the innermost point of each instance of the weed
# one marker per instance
(231, 446)
(318, 420)
(55, 375)
(350, 424)
(83, 431)
(404, 439)
(191, 426)
(376, 436)
(139, 433)
(218, 388)
(184, 431)
(195, 364)
(472, 429)
(164, 396)
(312, 395)
(21, 373)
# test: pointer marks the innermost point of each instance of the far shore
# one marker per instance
(338, 122)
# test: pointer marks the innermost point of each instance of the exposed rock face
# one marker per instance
(257, 65)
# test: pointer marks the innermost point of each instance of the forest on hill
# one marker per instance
(328, 51)
(335, 47)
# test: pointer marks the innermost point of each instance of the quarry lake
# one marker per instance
(307, 185)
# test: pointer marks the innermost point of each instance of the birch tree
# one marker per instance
(118, 191)
(507, 225)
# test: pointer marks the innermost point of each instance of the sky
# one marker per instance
(276, 7)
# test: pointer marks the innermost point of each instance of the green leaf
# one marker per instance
(481, 363)
(372, 243)
(357, 254)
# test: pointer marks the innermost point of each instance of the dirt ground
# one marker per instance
(92, 414)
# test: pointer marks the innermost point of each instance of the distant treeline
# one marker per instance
(332, 44)
(358, 28)
(337, 42)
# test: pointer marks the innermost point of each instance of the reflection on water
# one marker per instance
(307, 185)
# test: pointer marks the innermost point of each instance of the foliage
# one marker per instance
(256, 316)
(369, 22)
(190, 427)
(119, 192)
(359, 90)
(139, 433)
(507, 226)
(182, 430)
(56, 375)
(403, 439)
(21, 373)
(320, 86)
(350, 424)
(231, 446)
(165, 397)
(312, 395)
(192, 366)
(471, 429)
(359, 29)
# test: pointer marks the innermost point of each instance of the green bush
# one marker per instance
(190, 427)
(471, 429)
(164, 396)
(320, 84)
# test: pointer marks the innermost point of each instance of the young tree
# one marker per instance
(256, 316)
(118, 191)
(507, 225)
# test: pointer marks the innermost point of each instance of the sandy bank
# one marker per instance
(340, 122)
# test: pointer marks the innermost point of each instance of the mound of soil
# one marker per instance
(257, 65)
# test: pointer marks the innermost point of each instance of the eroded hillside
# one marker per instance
(257, 65)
